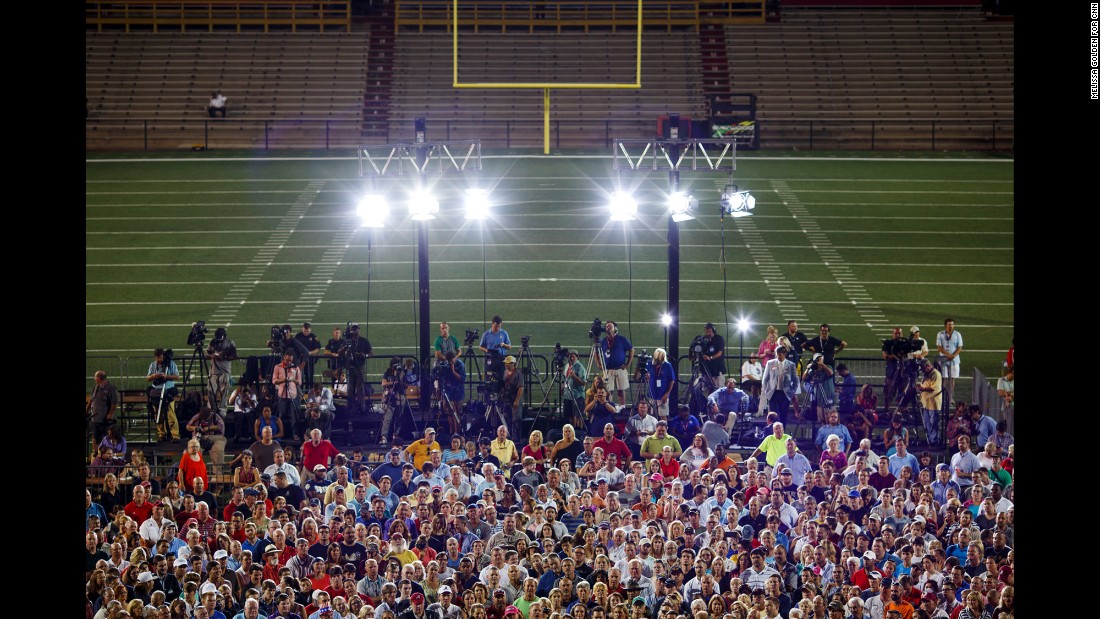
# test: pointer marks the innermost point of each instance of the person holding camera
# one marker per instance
(355, 352)
(393, 398)
(511, 394)
(221, 352)
(818, 379)
(714, 350)
(287, 379)
(618, 353)
(599, 411)
(163, 375)
(662, 384)
(495, 345)
(575, 379)
(208, 428)
(319, 409)
(454, 386)
(444, 344)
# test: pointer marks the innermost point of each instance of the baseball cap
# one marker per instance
(656, 477)
(320, 467)
(870, 554)
(417, 598)
(942, 466)
(853, 494)
(509, 359)
(221, 554)
(208, 588)
(931, 597)
(914, 329)
(639, 600)
(147, 577)
(445, 589)
(180, 562)
(429, 430)
(511, 610)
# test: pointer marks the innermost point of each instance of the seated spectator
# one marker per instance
(217, 104)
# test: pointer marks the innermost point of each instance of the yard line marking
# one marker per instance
(812, 232)
(399, 246)
(540, 300)
(745, 157)
(251, 278)
(868, 311)
(533, 178)
(771, 280)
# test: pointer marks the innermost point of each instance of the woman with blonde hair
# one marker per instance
(536, 450)
(766, 351)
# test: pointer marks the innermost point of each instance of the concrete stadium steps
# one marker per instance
(875, 64)
(264, 76)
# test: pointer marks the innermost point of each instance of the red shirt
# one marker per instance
(615, 446)
(321, 454)
(139, 513)
(671, 470)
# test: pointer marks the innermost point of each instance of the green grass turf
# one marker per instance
(167, 241)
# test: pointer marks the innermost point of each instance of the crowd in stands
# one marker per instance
(662, 525)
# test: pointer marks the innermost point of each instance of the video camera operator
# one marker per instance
(454, 385)
(332, 350)
(574, 378)
(319, 410)
(393, 398)
(495, 345)
(282, 341)
(618, 353)
(354, 355)
(221, 352)
(163, 375)
(714, 349)
(893, 352)
(511, 395)
(444, 344)
(309, 341)
(662, 383)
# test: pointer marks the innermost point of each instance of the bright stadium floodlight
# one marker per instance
(422, 206)
(477, 203)
(373, 211)
(737, 203)
(742, 325)
(682, 206)
(666, 320)
(623, 207)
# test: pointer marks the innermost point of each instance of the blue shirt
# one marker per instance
(95, 509)
(492, 341)
(684, 429)
(729, 400)
(614, 353)
(841, 431)
(660, 379)
(987, 427)
(896, 462)
(171, 371)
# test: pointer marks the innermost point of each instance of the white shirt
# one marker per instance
(150, 529)
(218, 101)
(751, 371)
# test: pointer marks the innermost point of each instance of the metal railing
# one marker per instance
(220, 15)
(175, 134)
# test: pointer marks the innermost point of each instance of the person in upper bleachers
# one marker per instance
(217, 104)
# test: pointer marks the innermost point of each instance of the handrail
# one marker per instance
(211, 15)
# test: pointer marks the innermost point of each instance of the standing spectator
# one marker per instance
(287, 379)
(1006, 388)
(662, 383)
(163, 375)
(309, 340)
(221, 352)
(827, 345)
(931, 400)
(766, 350)
(102, 405)
(949, 343)
(192, 466)
(217, 104)
(209, 426)
(893, 351)
(714, 350)
(780, 384)
(618, 352)
(318, 450)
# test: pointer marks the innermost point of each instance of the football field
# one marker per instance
(863, 243)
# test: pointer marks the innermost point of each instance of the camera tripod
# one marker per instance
(469, 359)
(493, 412)
(198, 358)
(445, 403)
(700, 385)
(556, 379)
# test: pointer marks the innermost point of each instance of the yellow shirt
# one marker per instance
(330, 492)
(774, 447)
(419, 452)
(503, 453)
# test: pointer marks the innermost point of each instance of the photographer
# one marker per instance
(282, 341)
(332, 350)
(495, 344)
(599, 411)
(662, 383)
(818, 379)
(208, 428)
(511, 394)
(893, 351)
(319, 409)
(393, 398)
(244, 406)
(714, 349)
(221, 352)
(312, 345)
(444, 344)
(618, 352)
(287, 379)
(454, 385)
(354, 354)
(575, 379)
(163, 375)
